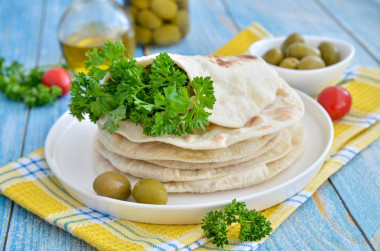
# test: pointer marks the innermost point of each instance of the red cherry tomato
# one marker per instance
(57, 77)
(336, 101)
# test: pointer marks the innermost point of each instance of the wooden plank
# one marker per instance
(20, 46)
(319, 224)
(358, 184)
(282, 18)
(5, 206)
(360, 18)
(37, 233)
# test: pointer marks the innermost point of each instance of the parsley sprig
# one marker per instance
(20, 84)
(160, 96)
(253, 225)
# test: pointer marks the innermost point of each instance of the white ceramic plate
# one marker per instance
(68, 150)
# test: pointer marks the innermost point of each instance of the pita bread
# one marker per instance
(281, 136)
(286, 110)
(243, 85)
(142, 169)
(243, 177)
(166, 152)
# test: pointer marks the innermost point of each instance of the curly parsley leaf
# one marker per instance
(253, 225)
(159, 96)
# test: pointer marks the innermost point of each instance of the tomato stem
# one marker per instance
(342, 82)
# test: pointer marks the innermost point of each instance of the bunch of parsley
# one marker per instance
(160, 96)
(18, 83)
(253, 225)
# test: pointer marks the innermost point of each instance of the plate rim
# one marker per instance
(55, 170)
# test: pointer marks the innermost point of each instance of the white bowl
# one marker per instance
(309, 81)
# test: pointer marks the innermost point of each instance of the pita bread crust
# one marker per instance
(239, 179)
(158, 151)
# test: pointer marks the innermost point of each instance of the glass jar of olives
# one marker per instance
(160, 22)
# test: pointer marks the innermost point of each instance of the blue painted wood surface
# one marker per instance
(28, 34)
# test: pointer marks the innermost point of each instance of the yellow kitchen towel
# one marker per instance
(30, 183)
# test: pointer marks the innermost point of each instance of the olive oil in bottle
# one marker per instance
(89, 24)
(75, 47)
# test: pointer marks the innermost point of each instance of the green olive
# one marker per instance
(113, 185)
(150, 191)
(182, 4)
(182, 21)
(143, 35)
(330, 53)
(300, 50)
(273, 56)
(141, 4)
(165, 9)
(290, 63)
(311, 62)
(148, 19)
(134, 11)
(166, 34)
(292, 38)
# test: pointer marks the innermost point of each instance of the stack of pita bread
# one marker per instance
(254, 132)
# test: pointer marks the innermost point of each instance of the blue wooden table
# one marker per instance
(342, 214)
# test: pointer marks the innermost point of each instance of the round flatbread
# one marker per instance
(286, 110)
(243, 85)
(143, 169)
(244, 178)
(166, 152)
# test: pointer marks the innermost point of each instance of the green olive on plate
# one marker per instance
(300, 50)
(273, 56)
(330, 53)
(292, 38)
(149, 191)
(311, 62)
(290, 63)
(113, 185)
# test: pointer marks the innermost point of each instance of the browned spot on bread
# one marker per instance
(245, 56)
(239, 131)
(286, 112)
(227, 62)
(219, 139)
(266, 127)
(118, 136)
(254, 120)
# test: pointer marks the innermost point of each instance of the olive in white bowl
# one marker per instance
(310, 81)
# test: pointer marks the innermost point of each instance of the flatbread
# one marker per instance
(241, 178)
(191, 166)
(142, 169)
(286, 110)
(243, 85)
(166, 152)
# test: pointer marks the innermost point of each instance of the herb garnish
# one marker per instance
(18, 83)
(253, 225)
(160, 96)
